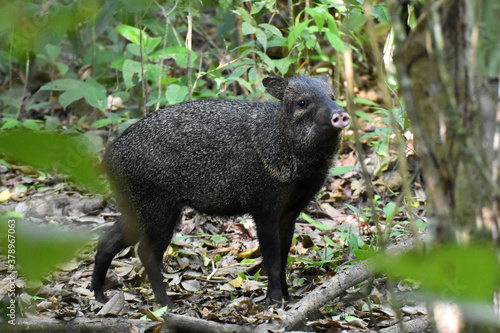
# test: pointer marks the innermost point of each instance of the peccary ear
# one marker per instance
(325, 78)
(275, 86)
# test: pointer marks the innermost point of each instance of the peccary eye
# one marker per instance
(301, 103)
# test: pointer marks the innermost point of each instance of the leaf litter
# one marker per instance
(213, 266)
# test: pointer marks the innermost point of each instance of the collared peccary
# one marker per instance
(223, 158)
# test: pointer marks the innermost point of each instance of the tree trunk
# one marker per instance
(453, 111)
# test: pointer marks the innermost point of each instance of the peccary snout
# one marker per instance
(341, 120)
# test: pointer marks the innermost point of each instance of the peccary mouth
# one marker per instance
(340, 120)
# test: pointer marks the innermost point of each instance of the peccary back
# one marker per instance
(225, 158)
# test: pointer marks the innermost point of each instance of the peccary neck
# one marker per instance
(286, 158)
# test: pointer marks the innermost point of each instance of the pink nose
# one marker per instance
(340, 120)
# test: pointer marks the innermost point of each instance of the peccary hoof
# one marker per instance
(164, 300)
(99, 296)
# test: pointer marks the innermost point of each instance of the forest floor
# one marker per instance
(213, 265)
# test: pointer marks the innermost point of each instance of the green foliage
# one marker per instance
(90, 90)
(144, 59)
(37, 250)
(340, 170)
(488, 43)
(316, 224)
(451, 271)
(70, 155)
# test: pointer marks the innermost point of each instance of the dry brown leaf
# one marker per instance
(114, 306)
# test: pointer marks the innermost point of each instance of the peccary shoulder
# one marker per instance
(222, 157)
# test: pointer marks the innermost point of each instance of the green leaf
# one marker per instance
(95, 94)
(176, 93)
(468, 273)
(247, 28)
(134, 6)
(238, 72)
(71, 155)
(129, 69)
(62, 67)
(39, 249)
(333, 36)
(245, 15)
(365, 116)
(319, 14)
(295, 33)
(340, 170)
(363, 254)
(51, 123)
(316, 224)
(31, 124)
(272, 29)
(52, 51)
(130, 33)
(176, 52)
(335, 41)
(37, 105)
(69, 96)
(361, 100)
(101, 123)
(390, 211)
(261, 37)
(64, 84)
(158, 313)
(133, 34)
(10, 123)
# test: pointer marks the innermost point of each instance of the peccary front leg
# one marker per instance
(297, 202)
(269, 241)
(287, 228)
(110, 243)
(158, 221)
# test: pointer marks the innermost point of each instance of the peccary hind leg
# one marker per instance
(158, 221)
(110, 243)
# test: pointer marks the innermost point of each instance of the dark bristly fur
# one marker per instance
(224, 158)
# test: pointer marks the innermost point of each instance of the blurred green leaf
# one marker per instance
(134, 34)
(463, 272)
(130, 68)
(93, 92)
(10, 123)
(316, 224)
(176, 52)
(340, 170)
(71, 155)
(295, 33)
(319, 14)
(333, 35)
(101, 122)
(37, 250)
(361, 100)
(390, 211)
(261, 37)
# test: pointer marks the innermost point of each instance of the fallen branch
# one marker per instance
(183, 323)
(79, 325)
(333, 288)
(298, 315)
(418, 325)
(301, 312)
